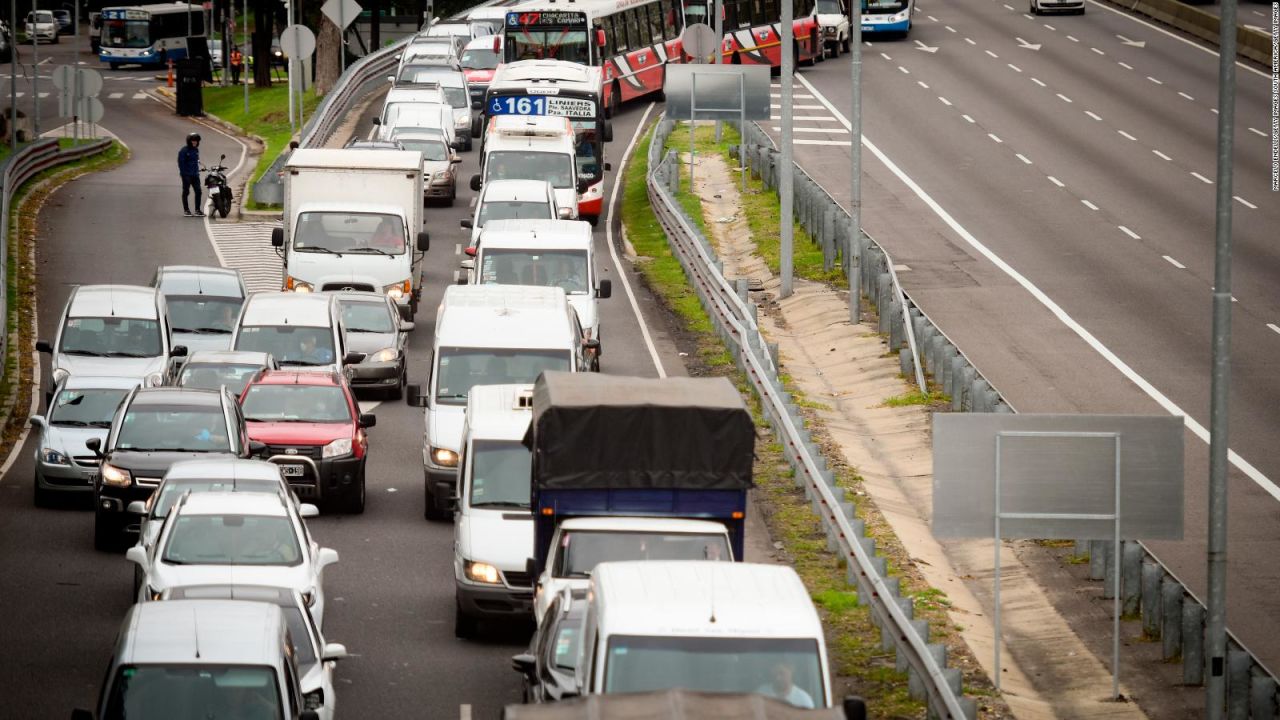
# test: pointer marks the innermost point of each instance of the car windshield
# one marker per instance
(212, 376)
(85, 408)
(460, 369)
(296, 403)
(173, 428)
(500, 474)
(232, 540)
(480, 59)
(171, 490)
(203, 314)
(512, 210)
(555, 168)
(111, 337)
(367, 317)
(432, 150)
(788, 669)
(193, 691)
(554, 268)
(393, 110)
(581, 550)
(290, 344)
(567, 45)
(341, 232)
(828, 7)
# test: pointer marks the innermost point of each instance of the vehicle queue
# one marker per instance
(208, 424)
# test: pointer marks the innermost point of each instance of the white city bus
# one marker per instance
(148, 34)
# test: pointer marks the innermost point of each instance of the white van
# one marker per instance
(415, 117)
(545, 252)
(488, 335)
(703, 626)
(493, 534)
(297, 329)
(532, 147)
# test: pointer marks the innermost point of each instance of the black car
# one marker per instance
(153, 429)
(375, 329)
(549, 663)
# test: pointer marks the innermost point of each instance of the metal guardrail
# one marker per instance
(1169, 611)
(16, 170)
(735, 320)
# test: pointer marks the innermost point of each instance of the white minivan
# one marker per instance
(493, 530)
(558, 253)
(488, 335)
(297, 329)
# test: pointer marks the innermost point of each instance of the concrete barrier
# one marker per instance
(1250, 44)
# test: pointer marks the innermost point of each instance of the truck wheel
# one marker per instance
(835, 50)
(464, 626)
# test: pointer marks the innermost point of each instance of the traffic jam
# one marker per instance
(208, 424)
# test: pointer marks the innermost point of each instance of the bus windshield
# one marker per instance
(127, 33)
(548, 44)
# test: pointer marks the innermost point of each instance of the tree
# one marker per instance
(264, 12)
(328, 46)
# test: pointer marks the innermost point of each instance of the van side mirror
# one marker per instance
(855, 708)
(525, 664)
(565, 213)
(136, 555)
(368, 420)
(44, 347)
(277, 237)
(352, 358)
(466, 224)
(333, 651)
(307, 510)
(424, 241)
(475, 182)
(36, 421)
(377, 121)
(604, 289)
(257, 447)
(413, 396)
(178, 351)
(326, 557)
(137, 507)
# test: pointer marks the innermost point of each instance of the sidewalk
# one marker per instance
(843, 369)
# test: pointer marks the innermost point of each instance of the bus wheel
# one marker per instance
(114, 65)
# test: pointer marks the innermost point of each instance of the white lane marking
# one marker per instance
(944, 101)
(970, 41)
(44, 94)
(1072, 38)
(967, 118)
(1064, 98)
(115, 96)
(1009, 8)
(1185, 95)
(932, 18)
(1132, 375)
(457, 249)
(885, 56)
(208, 229)
(139, 96)
(1213, 110)
(1158, 82)
(1256, 131)
(1023, 158)
(464, 712)
(1129, 232)
(904, 70)
(991, 53)
(814, 118)
(1126, 66)
(1050, 27)
(1174, 263)
(949, 28)
(1126, 135)
(994, 137)
(1162, 156)
(814, 130)
(1177, 37)
(1038, 82)
(613, 252)
(1089, 205)
(1201, 178)
(1273, 327)
(1097, 51)
(1244, 202)
(794, 95)
(837, 143)
(1015, 68)
(1093, 115)
(1056, 181)
(922, 84)
(21, 94)
(1027, 16)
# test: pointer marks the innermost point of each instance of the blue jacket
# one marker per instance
(189, 161)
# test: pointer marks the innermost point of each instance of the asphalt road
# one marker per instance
(1079, 150)
(391, 596)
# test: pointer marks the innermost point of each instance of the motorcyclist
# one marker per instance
(189, 169)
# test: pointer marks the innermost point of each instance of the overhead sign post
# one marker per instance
(78, 90)
(1089, 477)
(724, 92)
(698, 41)
(342, 13)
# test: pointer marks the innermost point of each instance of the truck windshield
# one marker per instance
(173, 428)
(144, 691)
(581, 550)
(788, 669)
(459, 369)
(562, 268)
(342, 232)
(555, 168)
(110, 337)
(500, 474)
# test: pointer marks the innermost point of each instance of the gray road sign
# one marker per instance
(700, 41)
(297, 41)
(90, 110)
(342, 12)
(724, 92)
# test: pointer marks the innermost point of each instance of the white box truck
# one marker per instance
(353, 221)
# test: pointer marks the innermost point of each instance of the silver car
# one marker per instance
(439, 164)
(203, 303)
(82, 408)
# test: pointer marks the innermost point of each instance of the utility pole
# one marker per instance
(292, 73)
(854, 261)
(35, 67)
(13, 76)
(785, 186)
(1216, 625)
(718, 8)
(247, 52)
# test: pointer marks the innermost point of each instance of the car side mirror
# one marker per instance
(44, 347)
(352, 358)
(136, 555)
(334, 651)
(604, 289)
(466, 224)
(413, 396)
(475, 182)
(307, 510)
(178, 351)
(94, 444)
(455, 160)
(326, 557)
(406, 325)
(525, 664)
(277, 237)
(855, 708)
(565, 213)
(137, 507)
(424, 241)
(257, 447)
(608, 167)
(470, 251)
(466, 265)
(36, 421)
(391, 79)
(368, 420)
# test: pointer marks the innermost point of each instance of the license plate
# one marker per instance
(291, 470)
(214, 190)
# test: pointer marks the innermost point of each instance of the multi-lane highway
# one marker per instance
(391, 596)
(1049, 184)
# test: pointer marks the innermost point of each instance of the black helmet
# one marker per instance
(193, 136)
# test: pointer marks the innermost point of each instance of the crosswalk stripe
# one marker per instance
(246, 247)
(116, 96)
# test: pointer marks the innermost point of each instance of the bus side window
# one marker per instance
(731, 15)
(772, 9)
(670, 29)
(757, 13)
(634, 35)
(655, 22)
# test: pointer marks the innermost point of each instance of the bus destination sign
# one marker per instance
(551, 18)
(542, 105)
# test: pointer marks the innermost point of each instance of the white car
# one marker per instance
(429, 49)
(513, 200)
(255, 538)
(41, 25)
(421, 116)
(315, 657)
(1040, 7)
(833, 20)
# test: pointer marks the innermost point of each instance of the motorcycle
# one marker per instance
(219, 191)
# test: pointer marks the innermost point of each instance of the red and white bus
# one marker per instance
(632, 40)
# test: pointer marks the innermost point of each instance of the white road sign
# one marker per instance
(342, 12)
(297, 41)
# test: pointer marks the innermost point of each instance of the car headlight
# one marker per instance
(337, 448)
(296, 285)
(482, 573)
(313, 700)
(399, 290)
(383, 355)
(155, 380)
(53, 457)
(444, 457)
(116, 477)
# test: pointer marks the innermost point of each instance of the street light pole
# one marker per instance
(35, 67)
(785, 186)
(854, 260)
(244, 35)
(13, 76)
